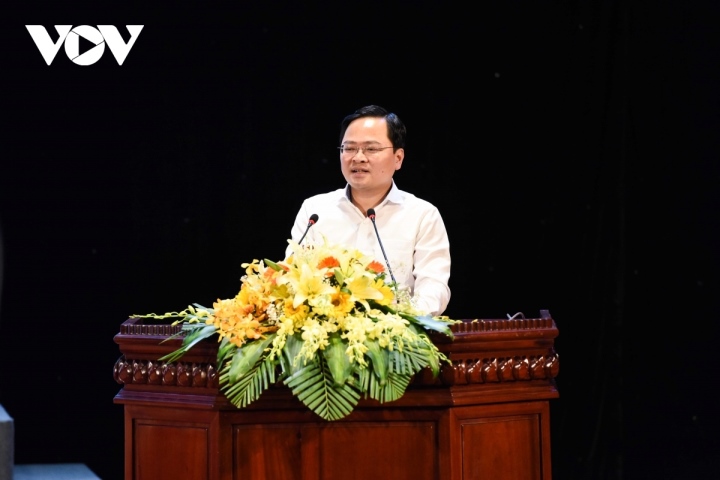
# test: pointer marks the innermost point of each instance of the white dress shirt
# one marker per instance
(411, 230)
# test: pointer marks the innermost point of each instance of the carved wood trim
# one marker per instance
(164, 330)
(484, 325)
(173, 374)
(461, 372)
(494, 351)
(499, 370)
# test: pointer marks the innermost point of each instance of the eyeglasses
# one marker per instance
(351, 151)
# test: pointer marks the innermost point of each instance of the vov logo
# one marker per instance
(95, 38)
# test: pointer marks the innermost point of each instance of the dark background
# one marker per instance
(571, 146)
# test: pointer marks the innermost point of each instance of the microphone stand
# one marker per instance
(371, 216)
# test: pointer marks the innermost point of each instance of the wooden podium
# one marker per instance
(486, 416)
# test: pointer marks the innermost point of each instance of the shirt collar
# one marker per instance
(394, 195)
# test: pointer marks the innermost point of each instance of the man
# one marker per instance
(411, 230)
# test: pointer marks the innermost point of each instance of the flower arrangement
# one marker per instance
(324, 322)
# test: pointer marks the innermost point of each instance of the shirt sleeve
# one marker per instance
(431, 265)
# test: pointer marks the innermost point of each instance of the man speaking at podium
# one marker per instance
(374, 216)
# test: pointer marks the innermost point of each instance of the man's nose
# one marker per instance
(361, 151)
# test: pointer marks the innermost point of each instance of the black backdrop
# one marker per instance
(571, 147)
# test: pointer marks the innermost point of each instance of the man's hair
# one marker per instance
(396, 128)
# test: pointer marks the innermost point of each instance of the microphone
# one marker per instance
(311, 222)
(371, 216)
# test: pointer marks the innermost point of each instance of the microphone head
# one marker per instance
(371, 213)
(313, 218)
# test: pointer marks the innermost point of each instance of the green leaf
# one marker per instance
(429, 323)
(392, 390)
(313, 385)
(225, 350)
(363, 381)
(339, 276)
(379, 359)
(433, 362)
(272, 265)
(249, 387)
(414, 358)
(293, 345)
(246, 357)
(198, 332)
(395, 387)
(337, 361)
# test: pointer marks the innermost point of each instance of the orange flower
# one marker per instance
(329, 262)
(269, 275)
(375, 267)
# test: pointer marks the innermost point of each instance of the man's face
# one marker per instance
(369, 173)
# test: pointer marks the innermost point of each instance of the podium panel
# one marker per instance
(485, 417)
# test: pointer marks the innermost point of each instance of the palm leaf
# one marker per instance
(392, 390)
(249, 387)
(402, 365)
(314, 386)
(414, 358)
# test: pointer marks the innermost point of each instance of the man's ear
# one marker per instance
(399, 157)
